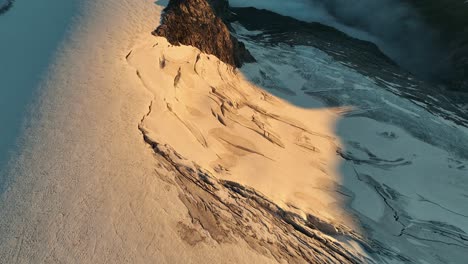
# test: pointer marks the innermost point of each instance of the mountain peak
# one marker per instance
(199, 23)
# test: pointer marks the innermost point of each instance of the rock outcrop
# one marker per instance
(221, 8)
(199, 23)
(228, 212)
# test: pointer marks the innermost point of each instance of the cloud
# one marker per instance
(391, 24)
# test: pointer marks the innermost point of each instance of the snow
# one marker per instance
(85, 188)
(400, 153)
(406, 111)
(302, 129)
(398, 170)
(26, 54)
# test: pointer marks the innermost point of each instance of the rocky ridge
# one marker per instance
(226, 211)
(199, 23)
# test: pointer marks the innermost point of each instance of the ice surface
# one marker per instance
(405, 165)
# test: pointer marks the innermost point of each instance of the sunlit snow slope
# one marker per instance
(318, 138)
(145, 152)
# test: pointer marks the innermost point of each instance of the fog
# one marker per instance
(391, 24)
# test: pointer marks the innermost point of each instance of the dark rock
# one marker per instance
(199, 23)
(221, 8)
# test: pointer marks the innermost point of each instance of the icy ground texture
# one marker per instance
(330, 144)
(404, 164)
(393, 25)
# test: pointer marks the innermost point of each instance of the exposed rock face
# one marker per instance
(221, 8)
(229, 211)
(199, 23)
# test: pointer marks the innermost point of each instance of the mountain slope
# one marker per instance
(322, 151)
(329, 131)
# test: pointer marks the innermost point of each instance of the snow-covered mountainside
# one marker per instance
(353, 151)
(233, 135)
(428, 38)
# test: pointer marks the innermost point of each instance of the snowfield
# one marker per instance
(314, 134)
(144, 152)
(404, 166)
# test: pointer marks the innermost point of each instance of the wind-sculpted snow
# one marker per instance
(224, 136)
(367, 64)
(146, 152)
(404, 160)
(385, 170)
